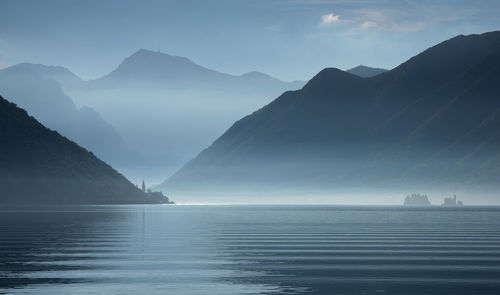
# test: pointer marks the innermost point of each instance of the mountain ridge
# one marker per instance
(365, 71)
(152, 67)
(343, 130)
(174, 104)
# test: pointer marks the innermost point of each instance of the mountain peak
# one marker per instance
(330, 76)
(365, 71)
(146, 56)
(336, 84)
(256, 74)
(150, 66)
(41, 67)
(146, 67)
(52, 72)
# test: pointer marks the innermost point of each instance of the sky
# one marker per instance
(290, 40)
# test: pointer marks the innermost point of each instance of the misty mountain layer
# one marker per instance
(34, 88)
(168, 108)
(39, 166)
(432, 122)
(165, 108)
(148, 68)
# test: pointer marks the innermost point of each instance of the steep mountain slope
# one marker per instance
(39, 166)
(431, 122)
(366, 72)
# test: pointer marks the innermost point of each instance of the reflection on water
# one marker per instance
(156, 249)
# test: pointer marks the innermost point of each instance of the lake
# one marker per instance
(172, 249)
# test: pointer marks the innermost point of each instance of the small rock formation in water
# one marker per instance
(417, 199)
(452, 201)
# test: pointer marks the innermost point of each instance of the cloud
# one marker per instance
(328, 19)
(368, 24)
(362, 16)
(388, 20)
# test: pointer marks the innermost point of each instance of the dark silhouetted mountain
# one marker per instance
(39, 166)
(433, 121)
(33, 88)
(366, 72)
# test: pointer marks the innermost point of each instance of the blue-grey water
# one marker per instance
(155, 249)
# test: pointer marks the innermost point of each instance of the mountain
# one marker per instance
(33, 87)
(39, 166)
(366, 72)
(174, 105)
(431, 122)
(146, 67)
(60, 74)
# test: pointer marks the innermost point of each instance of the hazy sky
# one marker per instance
(291, 39)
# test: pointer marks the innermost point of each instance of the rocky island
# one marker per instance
(452, 201)
(417, 200)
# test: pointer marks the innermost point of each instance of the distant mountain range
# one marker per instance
(168, 108)
(34, 88)
(57, 73)
(432, 122)
(146, 117)
(39, 166)
(366, 72)
(148, 68)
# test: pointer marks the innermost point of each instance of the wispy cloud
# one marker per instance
(386, 15)
(368, 24)
(398, 20)
(328, 19)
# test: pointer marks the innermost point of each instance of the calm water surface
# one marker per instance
(155, 249)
